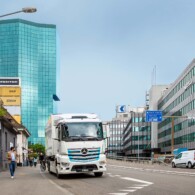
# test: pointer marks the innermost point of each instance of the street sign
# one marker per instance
(153, 116)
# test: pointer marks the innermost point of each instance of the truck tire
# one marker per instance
(48, 167)
(57, 174)
(98, 174)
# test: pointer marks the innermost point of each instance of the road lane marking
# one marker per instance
(136, 187)
(137, 180)
(118, 193)
(156, 171)
(128, 190)
(56, 185)
(132, 188)
(144, 185)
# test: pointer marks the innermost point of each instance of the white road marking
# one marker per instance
(117, 175)
(111, 175)
(136, 187)
(57, 186)
(118, 193)
(144, 185)
(128, 190)
(152, 170)
(137, 180)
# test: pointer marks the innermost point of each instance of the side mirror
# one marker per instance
(106, 130)
(56, 139)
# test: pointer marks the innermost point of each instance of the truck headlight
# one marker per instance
(102, 162)
(65, 164)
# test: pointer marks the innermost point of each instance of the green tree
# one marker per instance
(37, 148)
(2, 112)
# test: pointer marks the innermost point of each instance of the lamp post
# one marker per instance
(24, 10)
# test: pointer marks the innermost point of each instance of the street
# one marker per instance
(118, 180)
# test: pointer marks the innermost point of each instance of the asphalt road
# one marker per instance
(120, 179)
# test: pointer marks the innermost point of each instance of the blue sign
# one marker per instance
(153, 116)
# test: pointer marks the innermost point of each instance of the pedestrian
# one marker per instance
(31, 161)
(35, 161)
(12, 157)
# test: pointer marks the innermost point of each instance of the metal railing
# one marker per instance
(140, 160)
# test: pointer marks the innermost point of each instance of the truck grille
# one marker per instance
(76, 155)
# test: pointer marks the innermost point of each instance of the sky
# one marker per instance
(108, 49)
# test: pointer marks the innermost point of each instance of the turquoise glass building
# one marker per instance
(28, 51)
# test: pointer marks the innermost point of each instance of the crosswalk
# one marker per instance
(140, 184)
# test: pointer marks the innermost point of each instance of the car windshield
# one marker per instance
(82, 131)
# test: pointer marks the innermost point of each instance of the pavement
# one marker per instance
(28, 181)
(121, 178)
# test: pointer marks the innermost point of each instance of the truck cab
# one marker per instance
(77, 146)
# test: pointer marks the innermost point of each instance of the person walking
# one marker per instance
(12, 157)
(35, 161)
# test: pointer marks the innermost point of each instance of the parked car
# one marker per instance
(184, 159)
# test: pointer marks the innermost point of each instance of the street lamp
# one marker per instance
(25, 10)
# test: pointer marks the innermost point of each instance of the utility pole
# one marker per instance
(172, 129)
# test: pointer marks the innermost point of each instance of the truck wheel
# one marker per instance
(189, 165)
(98, 174)
(173, 165)
(48, 167)
(57, 174)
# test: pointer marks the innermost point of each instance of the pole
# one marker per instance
(172, 134)
(11, 14)
(138, 144)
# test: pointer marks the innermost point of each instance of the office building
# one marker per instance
(178, 106)
(28, 52)
(155, 93)
(137, 134)
(116, 127)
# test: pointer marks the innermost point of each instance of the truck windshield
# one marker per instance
(82, 131)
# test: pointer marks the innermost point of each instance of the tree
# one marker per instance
(2, 112)
(37, 148)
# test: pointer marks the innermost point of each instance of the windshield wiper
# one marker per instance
(92, 137)
(76, 138)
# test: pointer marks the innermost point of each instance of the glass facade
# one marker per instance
(28, 51)
(137, 135)
(179, 101)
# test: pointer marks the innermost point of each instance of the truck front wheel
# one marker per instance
(98, 174)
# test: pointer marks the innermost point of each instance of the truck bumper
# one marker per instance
(67, 167)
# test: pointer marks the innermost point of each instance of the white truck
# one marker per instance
(75, 144)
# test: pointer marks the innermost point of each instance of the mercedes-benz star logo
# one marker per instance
(84, 151)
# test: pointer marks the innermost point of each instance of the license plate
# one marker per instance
(84, 170)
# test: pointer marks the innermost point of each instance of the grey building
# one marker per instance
(115, 141)
(155, 93)
(137, 134)
(178, 106)
(8, 136)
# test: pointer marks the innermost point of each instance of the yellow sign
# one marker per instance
(10, 91)
(17, 118)
(11, 101)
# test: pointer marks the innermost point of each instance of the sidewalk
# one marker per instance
(28, 181)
